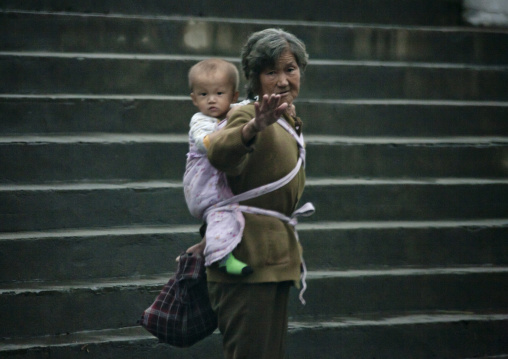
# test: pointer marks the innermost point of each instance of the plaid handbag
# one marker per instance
(181, 314)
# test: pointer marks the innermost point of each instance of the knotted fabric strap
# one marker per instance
(256, 192)
(306, 210)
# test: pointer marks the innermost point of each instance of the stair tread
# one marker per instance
(135, 333)
(162, 97)
(267, 22)
(82, 74)
(90, 23)
(311, 181)
(318, 225)
(312, 62)
(165, 17)
(345, 10)
(125, 138)
(158, 280)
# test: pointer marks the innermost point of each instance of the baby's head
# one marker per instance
(214, 86)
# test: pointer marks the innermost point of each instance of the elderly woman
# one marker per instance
(253, 150)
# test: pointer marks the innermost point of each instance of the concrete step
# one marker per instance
(360, 157)
(381, 244)
(145, 157)
(63, 307)
(406, 118)
(414, 12)
(419, 336)
(63, 255)
(92, 205)
(89, 205)
(434, 199)
(65, 114)
(338, 293)
(52, 73)
(225, 37)
(120, 252)
(98, 158)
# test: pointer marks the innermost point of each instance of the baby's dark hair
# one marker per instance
(209, 66)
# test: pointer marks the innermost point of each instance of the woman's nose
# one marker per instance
(282, 80)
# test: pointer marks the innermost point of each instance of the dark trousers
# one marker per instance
(253, 318)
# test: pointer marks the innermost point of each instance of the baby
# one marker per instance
(214, 88)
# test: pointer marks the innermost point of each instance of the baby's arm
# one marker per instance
(209, 138)
(201, 126)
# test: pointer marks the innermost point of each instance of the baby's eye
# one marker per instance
(220, 93)
(202, 94)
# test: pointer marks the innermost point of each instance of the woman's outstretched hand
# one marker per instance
(268, 111)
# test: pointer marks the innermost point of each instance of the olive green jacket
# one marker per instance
(268, 245)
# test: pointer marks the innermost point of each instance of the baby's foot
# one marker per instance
(229, 264)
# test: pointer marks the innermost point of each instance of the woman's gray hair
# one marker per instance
(263, 49)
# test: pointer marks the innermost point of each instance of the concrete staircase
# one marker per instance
(406, 121)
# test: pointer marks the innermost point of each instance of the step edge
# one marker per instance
(263, 21)
(105, 138)
(410, 141)
(322, 181)
(302, 227)
(157, 281)
(352, 102)
(311, 182)
(138, 333)
(403, 320)
(184, 57)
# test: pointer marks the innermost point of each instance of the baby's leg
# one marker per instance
(229, 264)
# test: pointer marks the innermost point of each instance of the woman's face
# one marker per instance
(283, 79)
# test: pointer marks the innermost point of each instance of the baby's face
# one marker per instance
(212, 94)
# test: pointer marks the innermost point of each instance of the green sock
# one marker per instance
(231, 265)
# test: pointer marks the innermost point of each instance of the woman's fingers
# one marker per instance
(269, 110)
(273, 101)
(281, 109)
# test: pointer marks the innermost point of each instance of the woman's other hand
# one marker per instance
(196, 250)
(291, 110)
